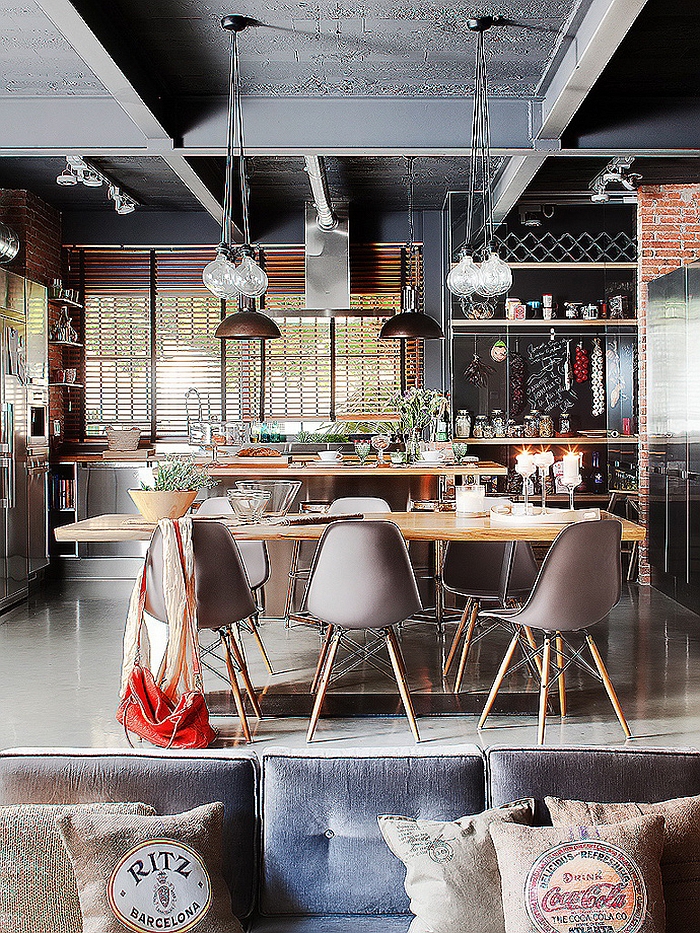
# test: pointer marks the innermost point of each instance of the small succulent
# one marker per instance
(178, 474)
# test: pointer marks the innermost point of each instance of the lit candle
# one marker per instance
(525, 463)
(571, 468)
(544, 459)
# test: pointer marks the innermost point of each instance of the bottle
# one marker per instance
(597, 478)
(463, 423)
(498, 423)
(480, 425)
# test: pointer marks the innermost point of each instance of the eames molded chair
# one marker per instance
(473, 569)
(256, 561)
(223, 599)
(361, 579)
(579, 583)
(346, 505)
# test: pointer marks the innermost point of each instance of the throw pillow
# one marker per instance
(150, 873)
(597, 879)
(37, 886)
(451, 872)
(680, 861)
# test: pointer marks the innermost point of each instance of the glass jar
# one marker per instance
(517, 430)
(565, 423)
(498, 423)
(531, 424)
(546, 425)
(479, 424)
(463, 423)
(510, 428)
(488, 429)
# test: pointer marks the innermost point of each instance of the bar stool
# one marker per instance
(361, 579)
(473, 569)
(579, 583)
(224, 600)
(256, 561)
(341, 506)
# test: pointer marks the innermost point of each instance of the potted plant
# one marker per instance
(417, 408)
(176, 483)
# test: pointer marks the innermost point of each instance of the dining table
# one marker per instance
(439, 527)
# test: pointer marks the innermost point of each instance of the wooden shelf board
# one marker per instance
(70, 385)
(64, 343)
(65, 301)
(599, 323)
(572, 265)
(575, 441)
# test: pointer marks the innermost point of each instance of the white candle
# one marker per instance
(470, 498)
(571, 468)
(544, 459)
(525, 463)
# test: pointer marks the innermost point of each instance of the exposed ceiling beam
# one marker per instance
(83, 40)
(600, 32)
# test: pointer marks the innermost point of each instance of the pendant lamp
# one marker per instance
(235, 272)
(411, 323)
(492, 276)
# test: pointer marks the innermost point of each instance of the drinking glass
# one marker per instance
(362, 449)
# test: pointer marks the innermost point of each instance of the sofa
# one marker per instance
(302, 850)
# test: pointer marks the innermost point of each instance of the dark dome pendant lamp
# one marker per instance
(224, 277)
(411, 323)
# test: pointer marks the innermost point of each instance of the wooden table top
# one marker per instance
(415, 526)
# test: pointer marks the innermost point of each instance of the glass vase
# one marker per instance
(411, 442)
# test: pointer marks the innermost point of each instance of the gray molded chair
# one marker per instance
(256, 561)
(579, 583)
(361, 579)
(223, 597)
(345, 505)
(473, 569)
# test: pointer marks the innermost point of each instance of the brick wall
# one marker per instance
(668, 229)
(38, 227)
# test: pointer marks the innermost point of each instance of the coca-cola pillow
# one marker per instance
(582, 879)
(680, 861)
(147, 873)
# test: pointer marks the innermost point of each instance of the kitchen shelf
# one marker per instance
(64, 343)
(65, 301)
(70, 385)
(555, 441)
(572, 265)
(574, 324)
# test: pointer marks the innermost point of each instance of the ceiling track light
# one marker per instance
(616, 172)
(78, 170)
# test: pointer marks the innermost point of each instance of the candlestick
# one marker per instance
(525, 466)
(571, 483)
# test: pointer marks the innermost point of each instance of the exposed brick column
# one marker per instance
(668, 230)
(38, 227)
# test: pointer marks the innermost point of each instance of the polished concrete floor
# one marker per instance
(60, 657)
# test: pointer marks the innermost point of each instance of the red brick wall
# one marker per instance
(668, 229)
(38, 227)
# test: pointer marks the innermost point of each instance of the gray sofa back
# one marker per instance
(603, 774)
(322, 853)
(171, 782)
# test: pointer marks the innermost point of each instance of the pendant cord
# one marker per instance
(238, 108)
(479, 167)
(411, 232)
(226, 238)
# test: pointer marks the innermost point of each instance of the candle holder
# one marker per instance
(526, 471)
(570, 485)
(544, 473)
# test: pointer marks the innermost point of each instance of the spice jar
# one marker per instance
(565, 423)
(498, 423)
(463, 423)
(511, 428)
(531, 424)
(481, 420)
(546, 426)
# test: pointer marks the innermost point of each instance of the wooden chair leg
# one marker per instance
(466, 646)
(293, 568)
(245, 676)
(608, 684)
(235, 689)
(321, 658)
(323, 682)
(502, 671)
(456, 639)
(544, 688)
(399, 666)
(533, 645)
(561, 676)
(255, 632)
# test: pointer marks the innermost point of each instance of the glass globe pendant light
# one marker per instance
(234, 272)
(492, 276)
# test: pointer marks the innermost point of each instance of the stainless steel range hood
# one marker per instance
(327, 264)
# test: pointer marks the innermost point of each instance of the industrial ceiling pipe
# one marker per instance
(9, 243)
(316, 170)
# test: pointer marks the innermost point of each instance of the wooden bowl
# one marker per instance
(154, 505)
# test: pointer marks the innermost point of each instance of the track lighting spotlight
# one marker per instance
(78, 170)
(616, 172)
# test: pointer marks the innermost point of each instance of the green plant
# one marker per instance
(178, 474)
(418, 407)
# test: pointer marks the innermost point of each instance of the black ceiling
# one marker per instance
(139, 89)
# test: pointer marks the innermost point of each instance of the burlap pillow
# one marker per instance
(38, 893)
(680, 860)
(148, 873)
(582, 879)
(451, 872)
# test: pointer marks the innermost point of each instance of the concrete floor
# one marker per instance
(60, 657)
